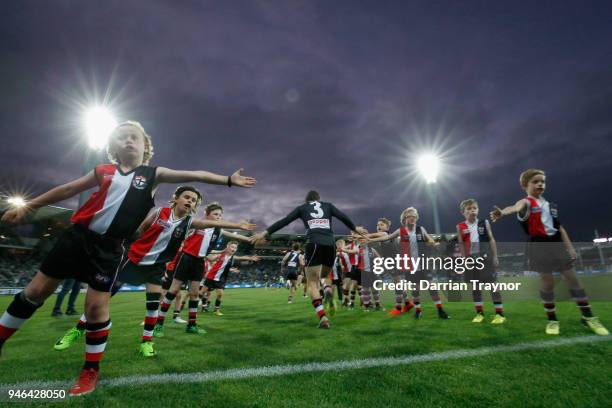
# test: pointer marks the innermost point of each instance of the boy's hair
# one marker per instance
(406, 211)
(295, 246)
(528, 175)
(465, 203)
(233, 243)
(212, 207)
(148, 145)
(340, 241)
(385, 221)
(181, 189)
(312, 196)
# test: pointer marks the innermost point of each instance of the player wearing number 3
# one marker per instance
(320, 247)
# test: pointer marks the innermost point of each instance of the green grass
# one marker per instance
(260, 329)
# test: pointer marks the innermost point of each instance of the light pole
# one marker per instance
(429, 166)
(99, 122)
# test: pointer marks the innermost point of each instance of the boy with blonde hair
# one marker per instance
(91, 249)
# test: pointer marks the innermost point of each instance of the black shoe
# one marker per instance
(442, 314)
(56, 313)
(71, 312)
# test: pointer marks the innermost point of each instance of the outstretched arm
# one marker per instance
(165, 175)
(247, 258)
(235, 236)
(204, 223)
(520, 206)
(59, 193)
(387, 237)
(261, 237)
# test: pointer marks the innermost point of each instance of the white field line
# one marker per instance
(271, 371)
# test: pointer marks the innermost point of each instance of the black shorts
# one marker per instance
(368, 278)
(291, 274)
(418, 276)
(189, 268)
(317, 254)
(548, 256)
(213, 284)
(85, 256)
(354, 274)
(139, 274)
(166, 281)
(485, 275)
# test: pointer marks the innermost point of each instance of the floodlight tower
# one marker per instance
(428, 165)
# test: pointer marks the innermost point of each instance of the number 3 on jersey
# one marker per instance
(318, 209)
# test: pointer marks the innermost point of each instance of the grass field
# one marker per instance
(259, 329)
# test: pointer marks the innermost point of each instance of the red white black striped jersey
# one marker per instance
(342, 262)
(473, 237)
(122, 202)
(200, 242)
(541, 219)
(219, 269)
(160, 242)
(354, 258)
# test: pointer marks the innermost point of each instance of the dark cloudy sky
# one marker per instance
(332, 95)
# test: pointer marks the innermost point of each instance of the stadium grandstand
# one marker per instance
(23, 247)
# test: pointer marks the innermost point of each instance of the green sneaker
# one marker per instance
(146, 349)
(194, 330)
(69, 338)
(158, 331)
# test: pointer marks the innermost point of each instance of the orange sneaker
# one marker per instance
(86, 383)
(406, 308)
(395, 312)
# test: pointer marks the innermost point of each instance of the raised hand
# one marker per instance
(247, 226)
(242, 181)
(496, 214)
(14, 215)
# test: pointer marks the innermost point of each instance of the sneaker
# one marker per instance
(394, 312)
(217, 313)
(69, 338)
(498, 319)
(56, 313)
(146, 349)
(158, 331)
(595, 325)
(194, 330)
(418, 315)
(289, 302)
(71, 312)
(479, 318)
(442, 314)
(324, 323)
(552, 327)
(86, 383)
(179, 320)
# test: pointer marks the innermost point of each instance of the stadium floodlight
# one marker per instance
(429, 166)
(16, 201)
(99, 123)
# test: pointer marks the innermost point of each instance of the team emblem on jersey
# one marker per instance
(139, 182)
(481, 230)
(178, 232)
(553, 210)
(419, 237)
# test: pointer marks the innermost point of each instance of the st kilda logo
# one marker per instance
(139, 182)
